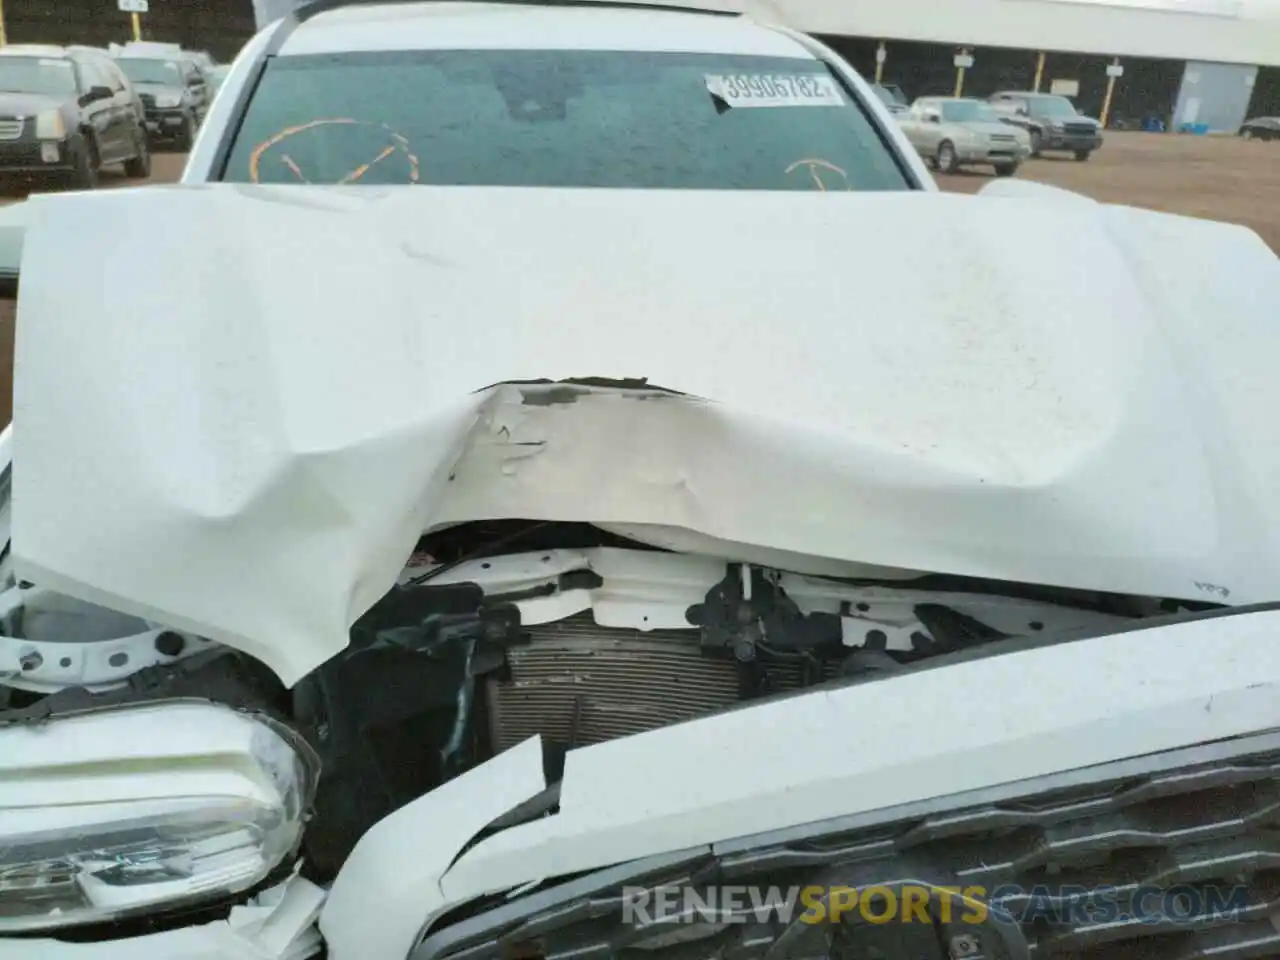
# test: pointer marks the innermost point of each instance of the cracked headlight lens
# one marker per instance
(139, 810)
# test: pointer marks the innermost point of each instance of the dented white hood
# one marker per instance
(244, 435)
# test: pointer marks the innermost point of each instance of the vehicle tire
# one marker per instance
(139, 166)
(1035, 143)
(1083, 155)
(186, 134)
(85, 176)
(947, 160)
(1006, 169)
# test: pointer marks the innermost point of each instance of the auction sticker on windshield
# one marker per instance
(775, 89)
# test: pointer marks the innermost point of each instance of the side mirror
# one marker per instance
(933, 118)
(96, 93)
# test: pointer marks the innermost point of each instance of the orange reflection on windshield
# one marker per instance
(815, 164)
(398, 144)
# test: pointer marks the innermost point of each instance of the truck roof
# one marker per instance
(522, 26)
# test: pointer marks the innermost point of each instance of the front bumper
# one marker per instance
(1134, 718)
(1055, 140)
(28, 156)
(994, 153)
(278, 924)
(167, 123)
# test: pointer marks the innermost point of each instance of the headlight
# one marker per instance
(49, 126)
(142, 809)
(166, 101)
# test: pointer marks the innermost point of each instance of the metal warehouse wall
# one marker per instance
(1250, 34)
(219, 26)
(923, 69)
(1216, 94)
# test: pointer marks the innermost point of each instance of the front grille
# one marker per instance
(11, 129)
(1079, 129)
(1003, 138)
(578, 683)
(21, 155)
(1194, 829)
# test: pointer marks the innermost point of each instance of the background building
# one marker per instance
(1202, 62)
(1209, 62)
(218, 26)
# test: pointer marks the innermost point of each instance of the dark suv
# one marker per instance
(1051, 121)
(67, 112)
(174, 92)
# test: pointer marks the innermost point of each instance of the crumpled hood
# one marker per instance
(250, 449)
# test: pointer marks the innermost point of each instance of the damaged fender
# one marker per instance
(389, 888)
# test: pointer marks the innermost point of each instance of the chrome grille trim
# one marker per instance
(1152, 820)
(11, 129)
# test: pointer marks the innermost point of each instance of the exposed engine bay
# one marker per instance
(498, 631)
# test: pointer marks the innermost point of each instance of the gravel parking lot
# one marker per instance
(1221, 178)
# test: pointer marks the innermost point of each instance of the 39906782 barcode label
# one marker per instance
(775, 89)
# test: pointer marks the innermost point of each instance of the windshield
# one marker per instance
(885, 96)
(557, 118)
(44, 75)
(968, 111)
(895, 91)
(142, 70)
(1054, 107)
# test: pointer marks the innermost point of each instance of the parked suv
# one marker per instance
(953, 132)
(1052, 122)
(175, 93)
(68, 112)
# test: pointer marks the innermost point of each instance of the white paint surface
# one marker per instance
(262, 472)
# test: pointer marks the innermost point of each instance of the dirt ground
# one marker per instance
(1220, 178)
